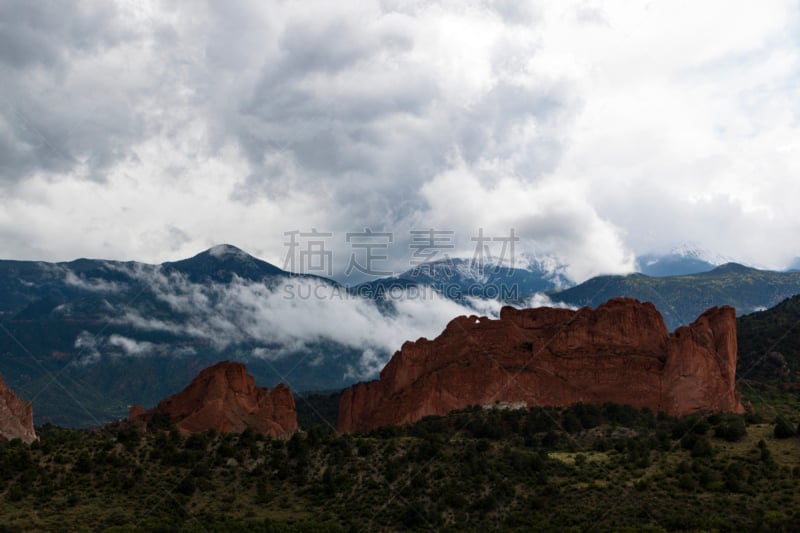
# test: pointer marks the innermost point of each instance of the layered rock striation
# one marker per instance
(224, 398)
(620, 352)
(16, 416)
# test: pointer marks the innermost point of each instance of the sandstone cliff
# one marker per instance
(16, 416)
(621, 352)
(224, 397)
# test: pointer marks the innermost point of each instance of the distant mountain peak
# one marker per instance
(681, 260)
(732, 267)
(225, 251)
(695, 251)
(222, 262)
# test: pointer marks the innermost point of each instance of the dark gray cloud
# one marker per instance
(363, 117)
(149, 130)
(47, 33)
(63, 105)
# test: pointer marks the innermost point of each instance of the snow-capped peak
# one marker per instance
(694, 251)
(221, 251)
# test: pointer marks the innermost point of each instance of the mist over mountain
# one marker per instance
(470, 282)
(86, 338)
(115, 333)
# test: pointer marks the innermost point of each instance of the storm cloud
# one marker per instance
(598, 131)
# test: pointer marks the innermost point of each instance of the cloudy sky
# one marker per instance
(597, 130)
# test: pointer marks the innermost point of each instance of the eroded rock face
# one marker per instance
(621, 352)
(16, 416)
(224, 398)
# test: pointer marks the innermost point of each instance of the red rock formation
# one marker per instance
(621, 352)
(136, 412)
(224, 397)
(16, 416)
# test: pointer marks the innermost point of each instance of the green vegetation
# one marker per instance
(598, 468)
(769, 343)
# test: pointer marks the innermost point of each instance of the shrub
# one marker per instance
(84, 463)
(687, 482)
(688, 441)
(159, 421)
(701, 448)
(187, 486)
(766, 455)
(783, 429)
(731, 429)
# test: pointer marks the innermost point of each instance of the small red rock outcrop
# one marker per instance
(620, 352)
(16, 416)
(224, 398)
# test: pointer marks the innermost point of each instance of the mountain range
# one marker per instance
(677, 262)
(465, 280)
(679, 298)
(85, 339)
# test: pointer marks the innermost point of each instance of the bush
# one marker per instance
(687, 482)
(159, 421)
(766, 455)
(783, 429)
(691, 425)
(84, 463)
(589, 415)
(701, 427)
(731, 429)
(187, 486)
(701, 448)
(688, 441)
(15, 493)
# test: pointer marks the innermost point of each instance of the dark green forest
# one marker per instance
(585, 468)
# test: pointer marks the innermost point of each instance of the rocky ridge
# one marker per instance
(620, 352)
(16, 416)
(224, 398)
